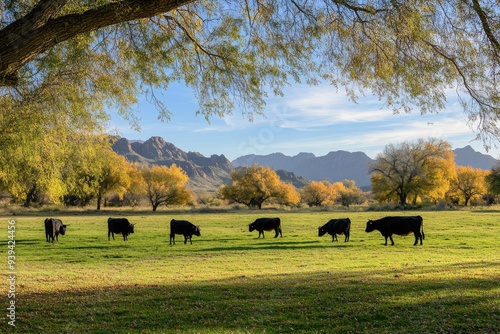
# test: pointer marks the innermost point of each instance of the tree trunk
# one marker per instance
(30, 196)
(42, 28)
(402, 199)
(99, 199)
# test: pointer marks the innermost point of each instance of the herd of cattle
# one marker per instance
(387, 226)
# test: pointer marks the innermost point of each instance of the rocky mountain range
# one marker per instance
(335, 166)
(208, 173)
(204, 173)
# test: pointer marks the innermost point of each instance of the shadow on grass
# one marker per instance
(320, 302)
(270, 245)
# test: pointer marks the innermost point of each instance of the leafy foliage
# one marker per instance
(469, 184)
(326, 193)
(93, 170)
(315, 193)
(413, 170)
(254, 185)
(493, 180)
(408, 53)
(166, 185)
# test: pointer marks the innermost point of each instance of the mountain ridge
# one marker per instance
(208, 173)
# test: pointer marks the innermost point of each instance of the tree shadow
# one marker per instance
(319, 302)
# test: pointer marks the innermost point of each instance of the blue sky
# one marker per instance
(307, 119)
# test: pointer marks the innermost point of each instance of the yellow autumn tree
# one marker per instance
(113, 176)
(413, 171)
(93, 171)
(315, 193)
(166, 185)
(469, 184)
(136, 187)
(350, 194)
(254, 185)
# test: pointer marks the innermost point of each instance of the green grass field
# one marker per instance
(228, 281)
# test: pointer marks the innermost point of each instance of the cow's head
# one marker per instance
(251, 227)
(131, 228)
(321, 231)
(197, 231)
(62, 229)
(370, 226)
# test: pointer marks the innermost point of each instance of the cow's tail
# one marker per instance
(422, 230)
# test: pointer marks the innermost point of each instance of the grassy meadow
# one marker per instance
(228, 281)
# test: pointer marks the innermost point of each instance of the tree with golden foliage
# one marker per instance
(418, 170)
(469, 184)
(136, 187)
(166, 185)
(350, 194)
(254, 185)
(315, 193)
(114, 177)
(94, 170)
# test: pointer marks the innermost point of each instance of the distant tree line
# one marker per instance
(88, 172)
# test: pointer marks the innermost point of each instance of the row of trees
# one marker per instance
(425, 171)
(86, 169)
(255, 185)
(406, 173)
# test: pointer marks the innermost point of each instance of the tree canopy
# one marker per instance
(74, 56)
(421, 169)
(166, 185)
(469, 184)
(255, 185)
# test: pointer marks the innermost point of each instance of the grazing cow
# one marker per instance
(185, 228)
(54, 227)
(336, 226)
(266, 224)
(398, 225)
(120, 226)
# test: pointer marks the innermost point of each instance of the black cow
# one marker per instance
(120, 226)
(398, 225)
(336, 226)
(185, 228)
(54, 227)
(266, 224)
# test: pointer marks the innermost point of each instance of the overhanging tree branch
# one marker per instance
(41, 29)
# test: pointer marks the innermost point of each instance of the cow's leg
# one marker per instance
(347, 236)
(392, 241)
(385, 236)
(276, 232)
(185, 239)
(281, 234)
(417, 237)
(172, 238)
(262, 234)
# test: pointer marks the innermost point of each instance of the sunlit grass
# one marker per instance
(228, 281)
